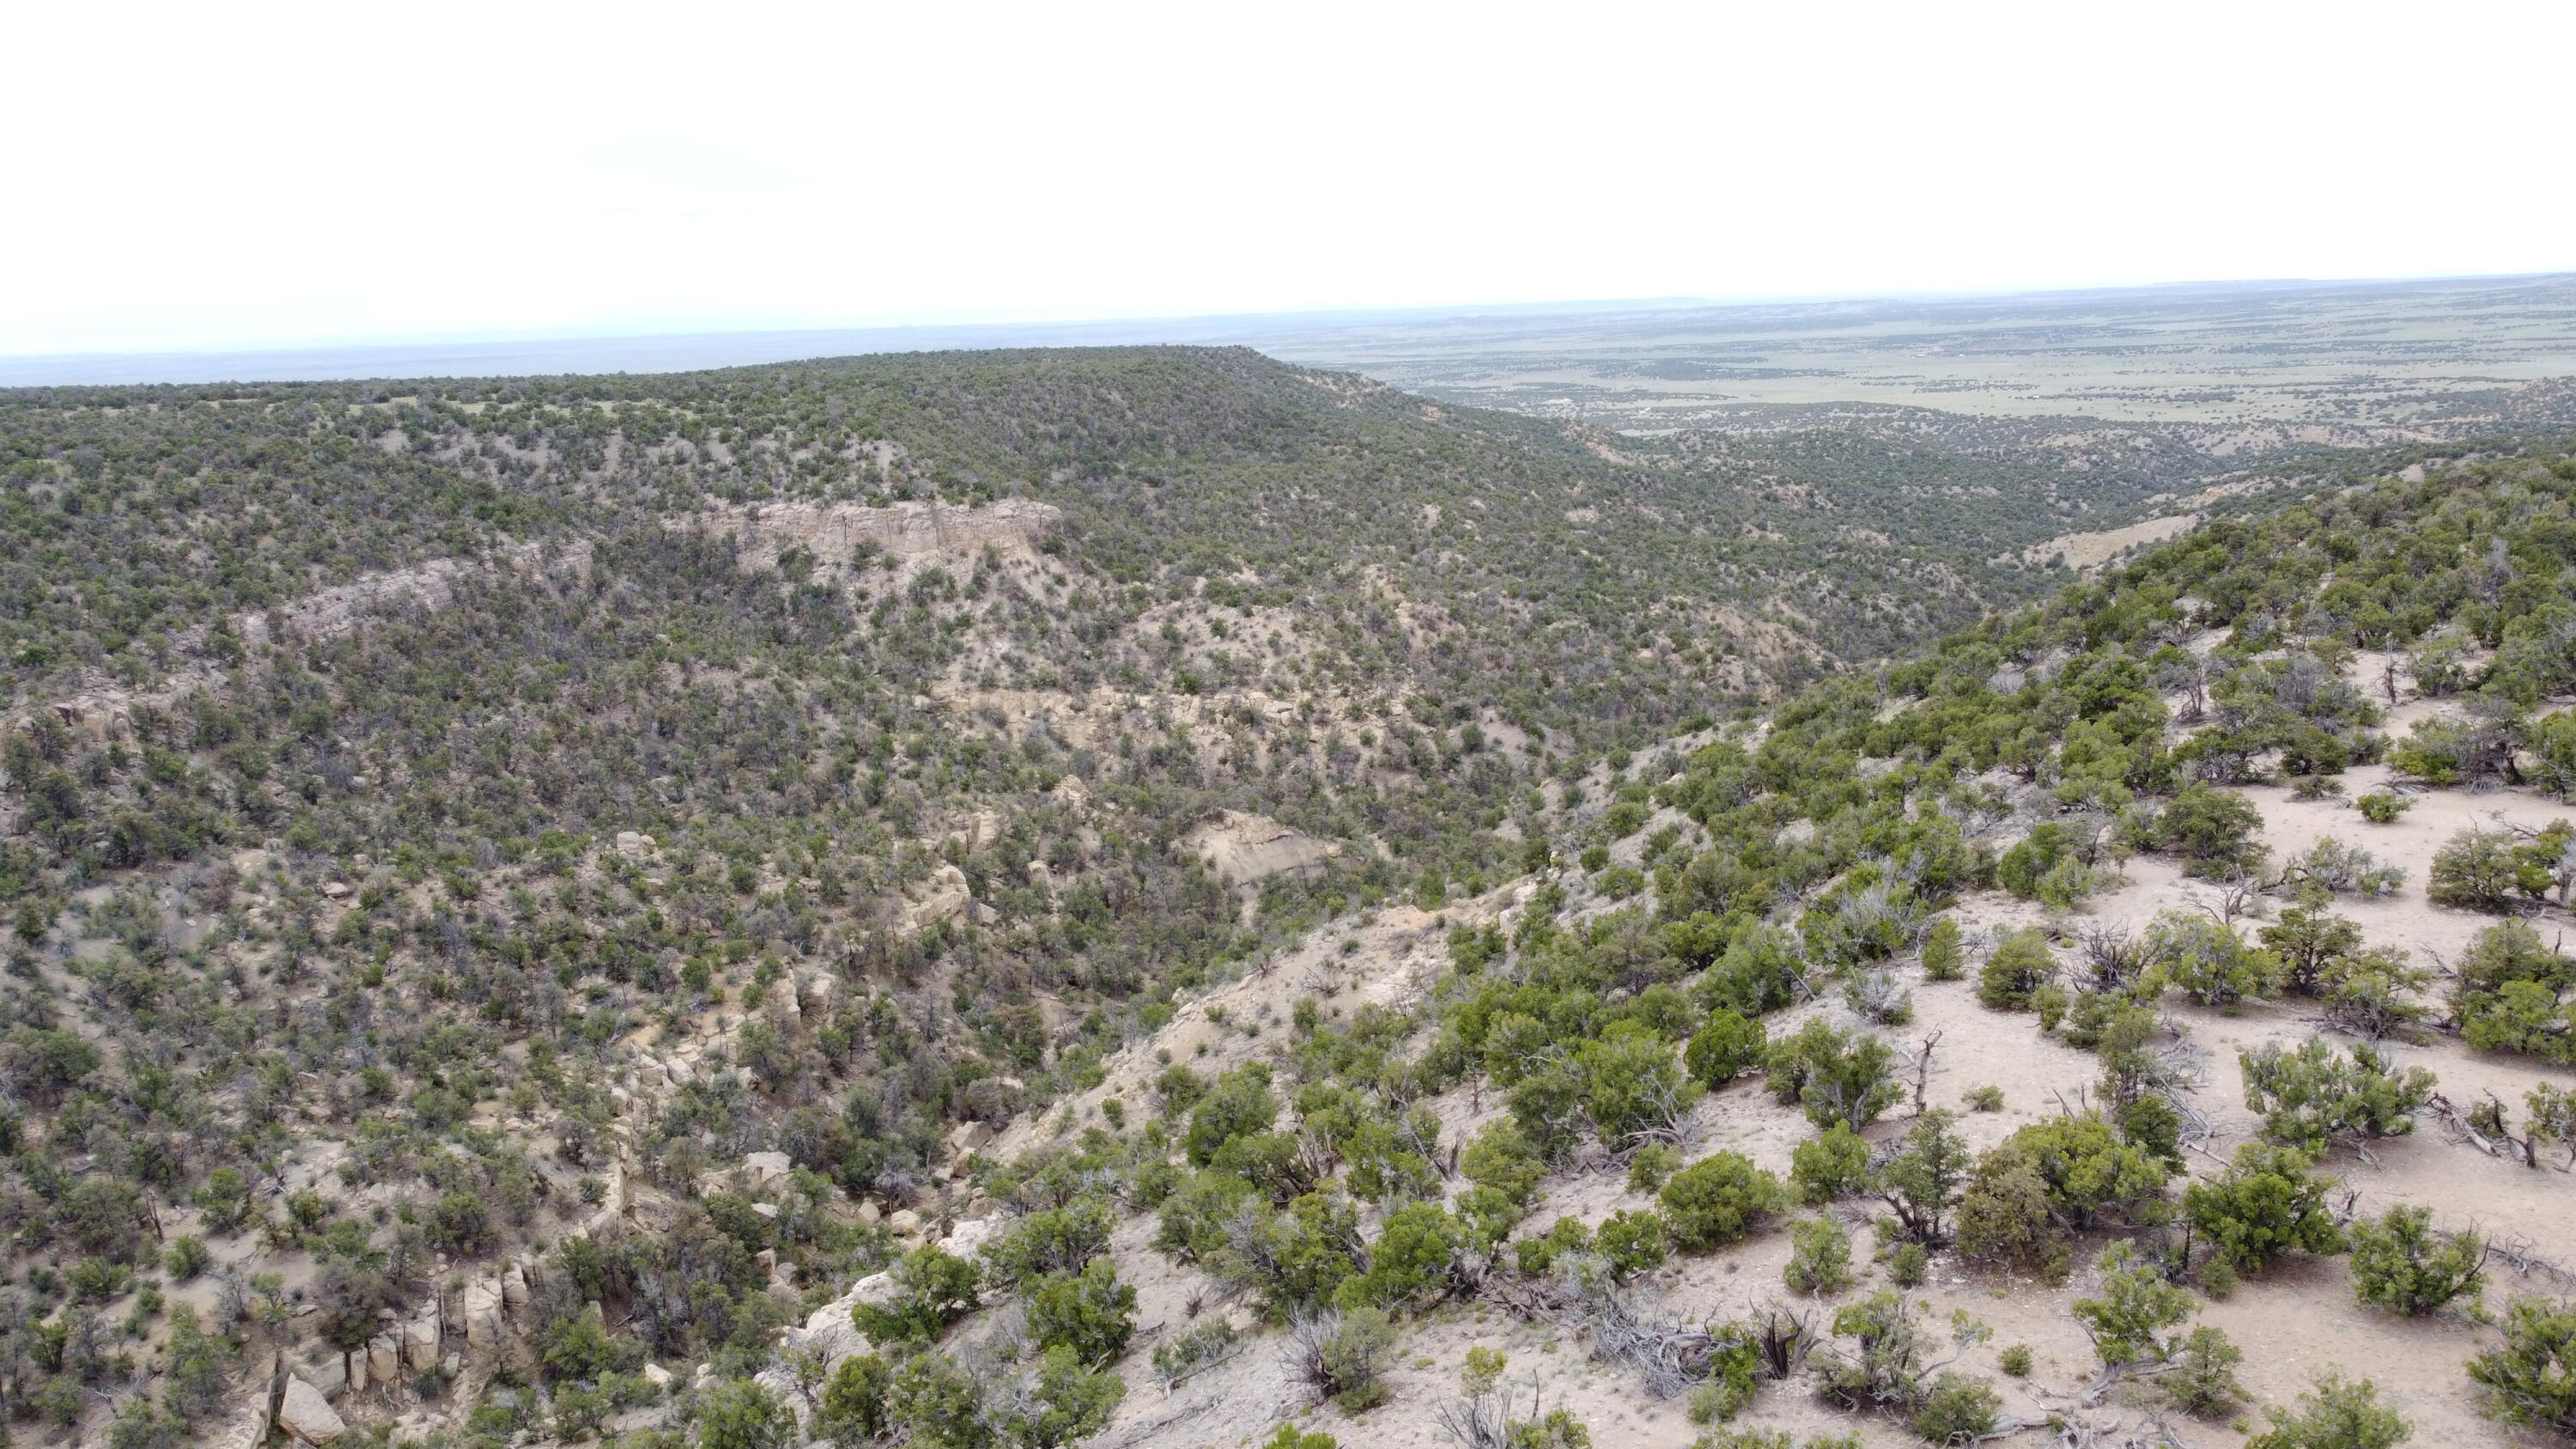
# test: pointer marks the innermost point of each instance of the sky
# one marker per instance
(202, 177)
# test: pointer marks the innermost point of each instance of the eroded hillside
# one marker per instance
(532, 912)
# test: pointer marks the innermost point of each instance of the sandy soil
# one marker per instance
(2092, 550)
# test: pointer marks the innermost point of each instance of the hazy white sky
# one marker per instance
(209, 175)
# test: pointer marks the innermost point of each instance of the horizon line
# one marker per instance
(338, 359)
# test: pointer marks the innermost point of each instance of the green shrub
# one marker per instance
(2267, 1202)
(1715, 1401)
(2399, 1263)
(1760, 973)
(1943, 958)
(2203, 1381)
(2215, 831)
(1346, 1356)
(1631, 1243)
(2310, 1097)
(1540, 1254)
(2044, 866)
(1192, 1220)
(1821, 1261)
(1053, 1240)
(2092, 1175)
(1984, 1099)
(1832, 1165)
(1836, 1076)
(1500, 1157)
(2127, 1323)
(741, 1414)
(2004, 1217)
(2340, 1414)
(1239, 1105)
(1630, 1083)
(1909, 1265)
(1958, 1410)
(1886, 1361)
(2530, 1378)
(1062, 1402)
(1922, 1176)
(1652, 1164)
(1717, 1200)
(2382, 807)
(2015, 1360)
(1414, 1255)
(2475, 869)
(2019, 965)
(2209, 961)
(1192, 1349)
(931, 1291)
(2508, 992)
(1090, 1312)
(186, 1257)
(2151, 1123)
(854, 1409)
(1724, 1048)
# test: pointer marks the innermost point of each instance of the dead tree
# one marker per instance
(1919, 1060)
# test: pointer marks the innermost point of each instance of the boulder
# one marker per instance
(484, 1332)
(420, 1341)
(906, 1223)
(966, 1237)
(514, 1287)
(353, 1367)
(869, 1213)
(330, 1376)
(307, 1415)
(658, 1376)
(384, 1357)
(764, 1170)
(820, 991)
(943, 898)
(828, 1329)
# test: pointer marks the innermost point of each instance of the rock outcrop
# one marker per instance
(304, 1413)
(1245, 848)
(905, 532)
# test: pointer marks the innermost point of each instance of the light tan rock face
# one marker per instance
(420, 1341)
(309, 1416)
(1244, 847)
(943, 898)
(905, 532)
(484, 1331)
